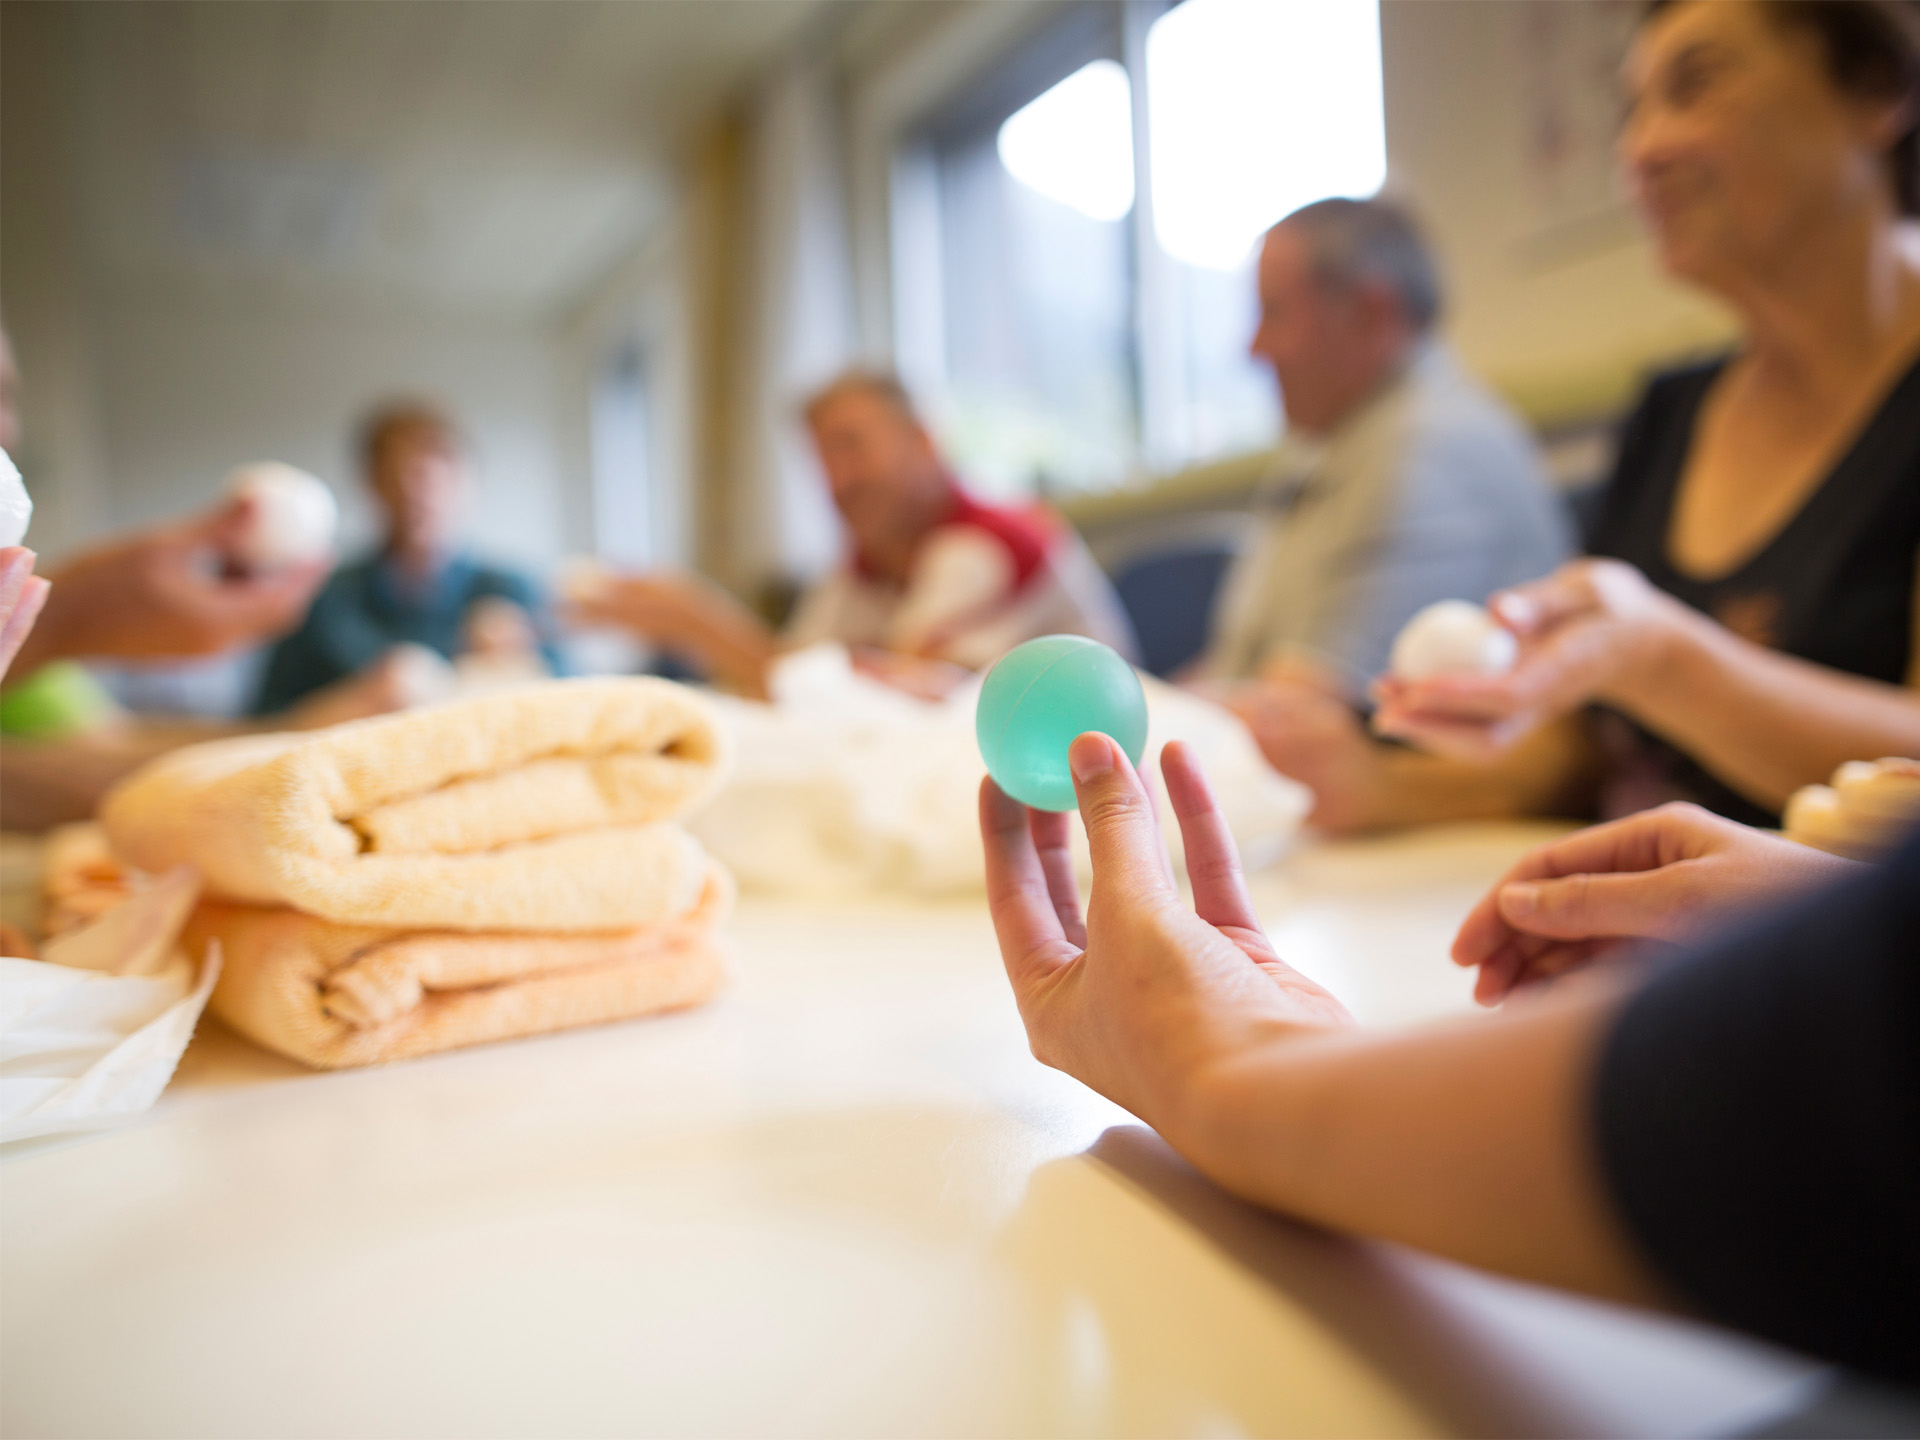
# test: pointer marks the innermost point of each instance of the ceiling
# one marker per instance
(498, 155)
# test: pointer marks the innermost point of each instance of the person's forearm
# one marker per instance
(735, 645)
(1551, 771)
(46, 642)
(1469, 1140)
(1764, 722)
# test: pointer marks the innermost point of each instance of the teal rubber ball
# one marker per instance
(1042, 694)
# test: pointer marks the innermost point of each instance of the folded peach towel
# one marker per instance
(333, 996)
(540, 809)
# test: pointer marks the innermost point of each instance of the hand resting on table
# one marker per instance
(1669, 874)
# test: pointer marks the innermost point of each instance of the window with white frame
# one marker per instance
(1075, 238)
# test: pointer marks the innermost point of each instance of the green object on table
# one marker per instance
(1042, 694)
(56, 701)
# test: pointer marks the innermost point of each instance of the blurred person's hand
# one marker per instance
(1142, 997)
(664, 608)
(1671, 874)
(22, 594)
(1594, 631)
(920, 676)
(406, 676)
(169, 592)
(688, 615)
(1316, 738)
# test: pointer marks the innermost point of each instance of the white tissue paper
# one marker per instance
(845, 788)
(90, 1035)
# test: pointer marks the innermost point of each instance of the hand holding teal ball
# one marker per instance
(1041, 695)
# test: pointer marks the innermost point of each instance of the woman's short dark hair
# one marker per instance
(1872, 52)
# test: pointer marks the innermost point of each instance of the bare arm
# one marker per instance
(693, 617)
(1360, 784)
(1467, 1139)
(1765, 722)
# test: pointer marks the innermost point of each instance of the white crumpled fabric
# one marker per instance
(844, 788)
(91, 1035)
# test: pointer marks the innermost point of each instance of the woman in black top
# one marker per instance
(1756, 614)
(1738, 1135)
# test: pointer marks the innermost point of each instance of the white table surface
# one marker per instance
(841, 1201)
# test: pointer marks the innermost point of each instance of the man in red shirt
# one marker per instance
(935, 583)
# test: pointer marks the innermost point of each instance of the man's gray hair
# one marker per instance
(1355, 241)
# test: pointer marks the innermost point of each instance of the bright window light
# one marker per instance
(1074, 144)
(1255, 108)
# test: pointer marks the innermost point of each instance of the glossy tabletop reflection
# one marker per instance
(843, 1201)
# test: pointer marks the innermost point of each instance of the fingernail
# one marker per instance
(1520, 900)
(1090, 755)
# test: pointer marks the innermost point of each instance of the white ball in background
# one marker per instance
(295, 517)
(1453, 637)
(16, 506)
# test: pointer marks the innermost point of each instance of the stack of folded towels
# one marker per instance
(500, 866)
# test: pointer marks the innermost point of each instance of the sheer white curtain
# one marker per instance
(799, 319)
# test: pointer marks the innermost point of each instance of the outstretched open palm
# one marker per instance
(1141, 995)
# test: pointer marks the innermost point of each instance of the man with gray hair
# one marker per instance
(1400, 481)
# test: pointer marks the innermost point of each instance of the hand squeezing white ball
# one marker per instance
(294, 516)
(16, 508)
(1452, 637)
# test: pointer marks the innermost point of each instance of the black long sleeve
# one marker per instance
(1757, 1109)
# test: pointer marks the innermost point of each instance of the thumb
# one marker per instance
(1122, 833)
(1637, 904)
(1540, 605)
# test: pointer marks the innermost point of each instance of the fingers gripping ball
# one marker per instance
(1042, 694)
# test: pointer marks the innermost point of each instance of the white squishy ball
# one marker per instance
(294, 518)
(1452, 637)
(16, 507)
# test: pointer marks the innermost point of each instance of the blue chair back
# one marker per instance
(1169, 596)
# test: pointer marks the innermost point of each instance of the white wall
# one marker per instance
(193, 381)
(1554, 296)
